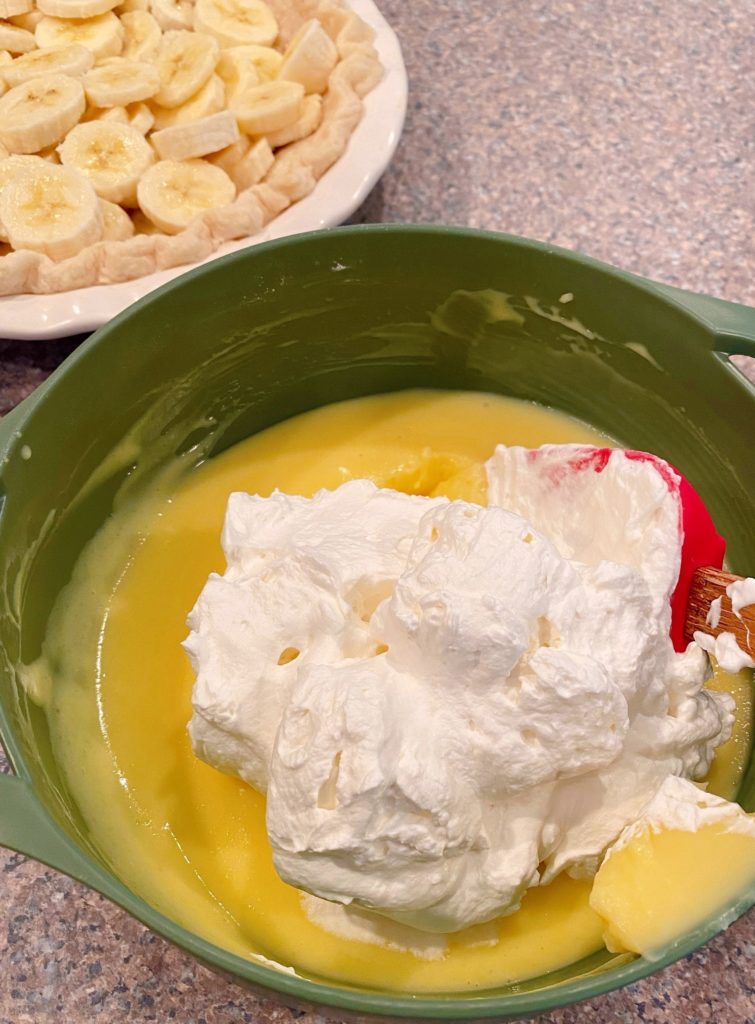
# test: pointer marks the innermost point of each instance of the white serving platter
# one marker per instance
(339, 192)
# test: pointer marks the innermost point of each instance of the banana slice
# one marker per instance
(50, 154)
(15, 39)
(310, 57)
(209, 100)
(185, 62)
(198, 138)
(137, 115)
(237, 71)
(307, 122)
(231, 155)
(116, 115)
(75, 8)
(143, 36)
(265, 60)
(173, 14)
(140, 117)
(51, 209)
(12, 167)
(112, 156)
(116, 223)
(102, 35)
(40, 112)
(5, 61)
(172, 194)
(253, 166)
(12, 8)
(121, 81)
(233, 22)
(74, 61)
(127, 6)
(268, 107)
(29, 21)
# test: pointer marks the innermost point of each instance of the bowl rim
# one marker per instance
(304, 990)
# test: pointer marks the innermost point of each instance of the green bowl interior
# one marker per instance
(261, 336)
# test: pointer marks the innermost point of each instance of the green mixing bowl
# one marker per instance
(272, 331)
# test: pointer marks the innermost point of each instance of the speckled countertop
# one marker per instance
(624, 130)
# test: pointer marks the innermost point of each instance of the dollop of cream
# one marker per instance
(447, 704)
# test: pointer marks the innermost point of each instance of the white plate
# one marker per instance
(337, 194)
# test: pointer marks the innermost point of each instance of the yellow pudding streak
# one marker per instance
(192, 840)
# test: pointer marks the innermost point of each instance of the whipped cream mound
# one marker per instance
(448, 704)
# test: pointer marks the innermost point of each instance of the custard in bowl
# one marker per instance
(103, 657)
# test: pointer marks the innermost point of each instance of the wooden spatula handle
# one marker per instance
(708, 584)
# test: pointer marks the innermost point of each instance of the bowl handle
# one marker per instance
(732, 323)
(25, 826)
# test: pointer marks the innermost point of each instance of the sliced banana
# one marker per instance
(234, 22)
(140, 117)
(112, 115)
(40, 112)
(173, 193)
(185, 62)
(51, 209)
(268, 107)
(137, 115)
(209, 100)
(5, 60)
(253, 166)
(102, 35)
(173, 14)
(64, 60)
(143, 36)
(266, 61)
(127, 6)
(120, 82)
(12, 167)
(237, 71)
(75, 8)
(307, 122)
(117, 115)
(310, 57)
(29, 21)
(12, 8)
(112, 156)
(116, 223)
(231, 155)
(50, 154)
(15, 39)
(197, 138)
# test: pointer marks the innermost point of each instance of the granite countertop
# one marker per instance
(626, 131)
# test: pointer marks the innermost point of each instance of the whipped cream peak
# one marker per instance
(447, 704)
(597, 505)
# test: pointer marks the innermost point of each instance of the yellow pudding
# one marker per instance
(192, 840)
(664, 883)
